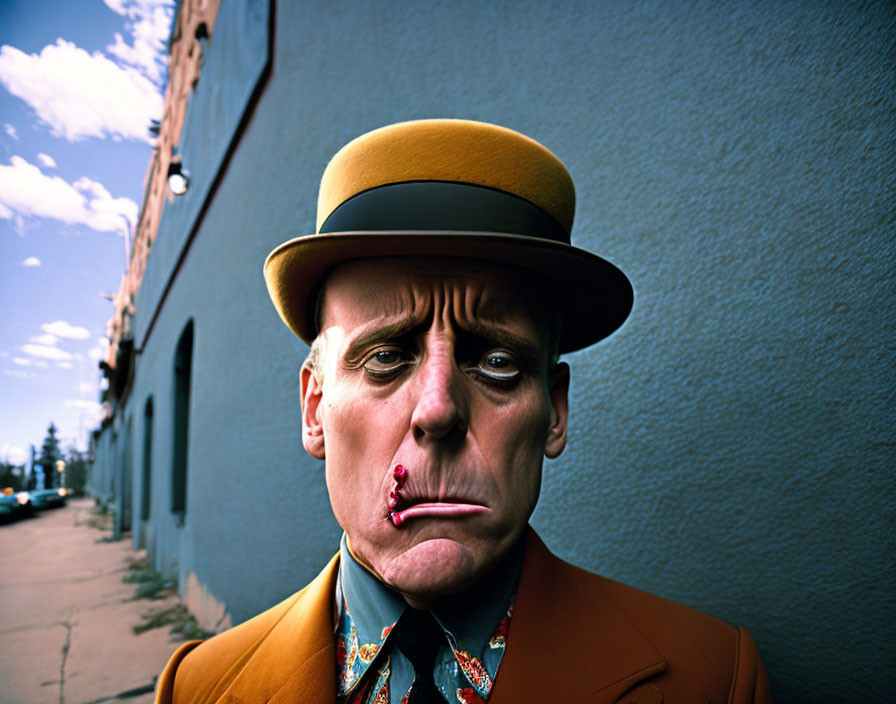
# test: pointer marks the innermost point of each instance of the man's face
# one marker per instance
(442, 367)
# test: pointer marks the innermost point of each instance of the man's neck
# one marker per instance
(510, 562)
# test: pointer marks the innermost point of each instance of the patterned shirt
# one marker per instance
(475, 623)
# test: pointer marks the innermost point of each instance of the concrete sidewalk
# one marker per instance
(66, 616)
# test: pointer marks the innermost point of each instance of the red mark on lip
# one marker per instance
(400, 475)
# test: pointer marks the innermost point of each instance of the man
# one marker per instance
(437, 295)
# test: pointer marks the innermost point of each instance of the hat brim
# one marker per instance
(597, 299)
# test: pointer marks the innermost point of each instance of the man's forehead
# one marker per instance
(399, 288)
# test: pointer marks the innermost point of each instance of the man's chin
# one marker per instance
(430, 569)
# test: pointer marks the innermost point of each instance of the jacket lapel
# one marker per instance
(567, 640)
(296, 662)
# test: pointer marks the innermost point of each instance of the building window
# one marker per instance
(183, 363)
(127, 476)
(146, 491)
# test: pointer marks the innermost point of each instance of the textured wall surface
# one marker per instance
(732, 447)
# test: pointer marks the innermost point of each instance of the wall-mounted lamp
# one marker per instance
(178, 178)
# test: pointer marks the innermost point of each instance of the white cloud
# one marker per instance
(53, 353)
(64, 365)
(46, 160)
(5, 213)
(10, 130)
(13, 453)
(31, 261)
(97, 353)
(84, 387)
(18, 373)
(91, 406)
(80, 95)
(26, 191)
(45, 339)
(60, 328)
(149, 25)
(117, 6)
(106, 213)
(25, 362)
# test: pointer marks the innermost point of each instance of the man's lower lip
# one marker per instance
(439, 510)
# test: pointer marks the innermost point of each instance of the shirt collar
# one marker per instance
(368, 609)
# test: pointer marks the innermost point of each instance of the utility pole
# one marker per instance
(30, 478)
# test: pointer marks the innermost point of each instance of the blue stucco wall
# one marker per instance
(732, 446)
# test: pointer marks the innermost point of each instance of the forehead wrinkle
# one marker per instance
(469, 299)
(457, 300)
(480, 290)
(381, 330)
(419, 298)
(482, 310)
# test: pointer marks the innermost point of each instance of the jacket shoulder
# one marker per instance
(203, 669)
(691, 642)
(623, 640)
(675, 627)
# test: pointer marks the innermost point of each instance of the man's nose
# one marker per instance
(440, 412)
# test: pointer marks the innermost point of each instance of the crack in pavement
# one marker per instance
(73, 613)
(30, 627)
(73, 584)
(65, 647)
(67, 580)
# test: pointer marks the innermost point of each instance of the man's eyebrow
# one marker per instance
(402, 327)
(380, 332)
(527, 349)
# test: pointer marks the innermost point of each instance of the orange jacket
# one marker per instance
(574, 637)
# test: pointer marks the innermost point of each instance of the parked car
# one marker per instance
(48, 498)
(15, 505)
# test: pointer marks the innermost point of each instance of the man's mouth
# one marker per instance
(434, 509)
(402, 508)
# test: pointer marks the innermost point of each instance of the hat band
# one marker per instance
(442, 206)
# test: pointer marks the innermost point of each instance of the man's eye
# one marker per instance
(497, 365)
(385, 361)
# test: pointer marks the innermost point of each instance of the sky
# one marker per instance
(80, 83)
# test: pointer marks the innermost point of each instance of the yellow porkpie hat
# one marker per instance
(450, 188)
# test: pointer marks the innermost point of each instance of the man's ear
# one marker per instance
(558, 389)
(312, 428)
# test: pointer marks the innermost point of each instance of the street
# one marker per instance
(67, 618)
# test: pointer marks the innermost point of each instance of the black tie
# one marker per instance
(418, 637)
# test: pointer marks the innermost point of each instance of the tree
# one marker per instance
(76, 471)
(12, 475)
(49, 454)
